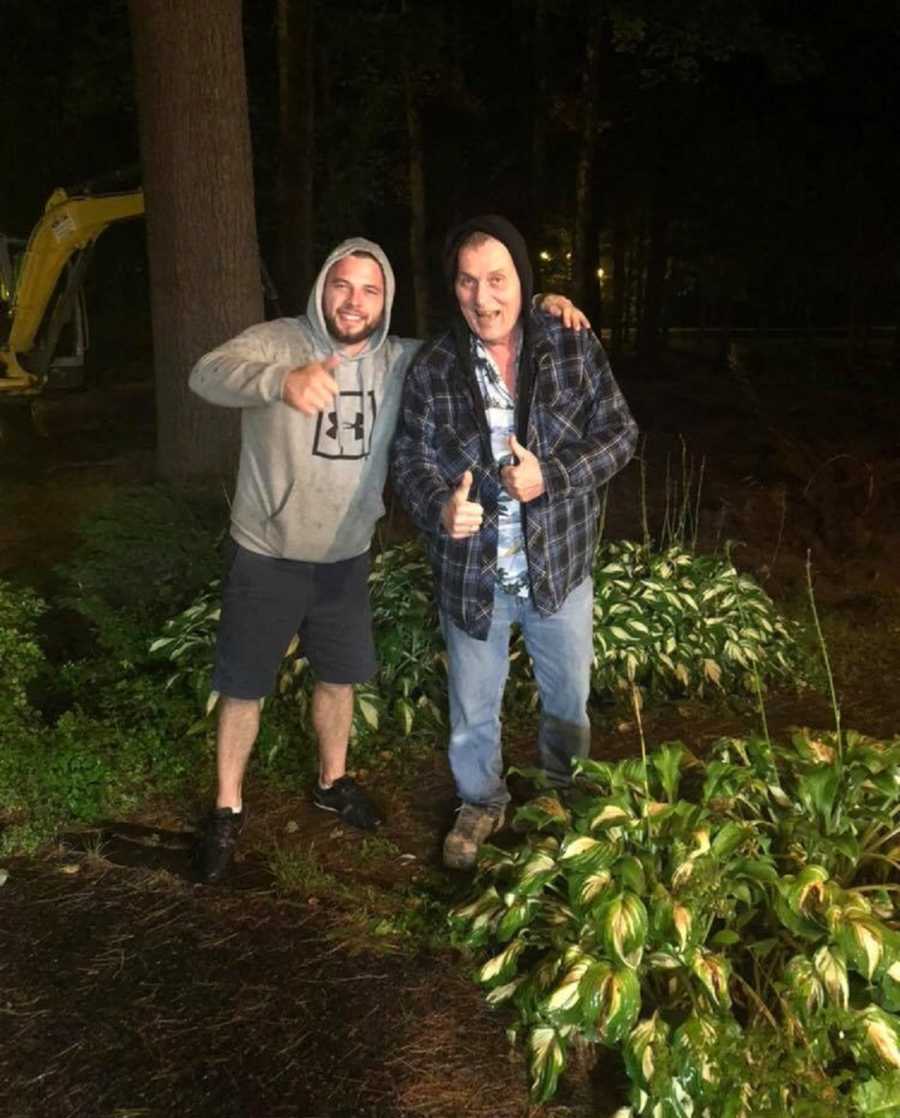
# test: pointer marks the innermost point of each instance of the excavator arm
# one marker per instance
(69, 226)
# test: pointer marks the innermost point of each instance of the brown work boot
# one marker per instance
(473, 825)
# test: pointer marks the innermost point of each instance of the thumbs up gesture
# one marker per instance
(524, 481)
(311, 388)
(460, 516)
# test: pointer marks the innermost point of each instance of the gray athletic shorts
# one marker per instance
(266, 601)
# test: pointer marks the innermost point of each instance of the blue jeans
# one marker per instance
(561, 650)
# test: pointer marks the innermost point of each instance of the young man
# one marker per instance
(509, 426)
(319, 396)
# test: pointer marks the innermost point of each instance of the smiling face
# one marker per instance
(353, 300)
(488, 290)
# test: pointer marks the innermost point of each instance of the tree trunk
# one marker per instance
(296, 152)
(201, 226)
(619, 279)
(417, 208)
(582, 256)
(657, 261)
(538, 120)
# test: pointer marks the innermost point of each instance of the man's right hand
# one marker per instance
(460, 516)
(311, 388)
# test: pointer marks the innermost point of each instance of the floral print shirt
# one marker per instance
(500, 411)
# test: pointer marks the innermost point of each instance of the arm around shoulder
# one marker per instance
(609, 438)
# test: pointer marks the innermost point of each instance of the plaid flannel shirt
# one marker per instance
(581, 431)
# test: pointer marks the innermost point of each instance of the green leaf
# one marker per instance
(614, 811)
(629, 871)
(539, 868)
(547, 1061)
(502, 966)
(584, 891)
(729, 838)
(831, 968)
(878, 1097)
(592, 993)
(667, 762)
(890, 988)
(693, 1044)
(863, 943)
(642, 1049)
(463, 915)
(503, 993)
(758, 869)
(801, 902)
(520, 913)
(622, 923)
(804, 986)
(405, 714)
(620, 1007)
(714, 973)
(882, 1035)
(564, 998)
(369, 712)
(582, 853)
(541, 812)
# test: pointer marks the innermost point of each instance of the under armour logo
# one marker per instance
(330, 440)
(357, 426)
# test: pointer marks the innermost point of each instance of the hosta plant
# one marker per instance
(411, 685)
(671, 622)
(676, 622)
(727, 925)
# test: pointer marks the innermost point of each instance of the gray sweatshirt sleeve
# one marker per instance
(241, 373)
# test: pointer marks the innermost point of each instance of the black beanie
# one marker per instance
(505, 232)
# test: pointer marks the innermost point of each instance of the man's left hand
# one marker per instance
(524, 481)
(561, 307)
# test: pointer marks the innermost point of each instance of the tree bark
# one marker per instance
(201, 226)
(583, 258)
(619, 279)
(417, 208)
(296, 152)
(538, 118)
(657, 262)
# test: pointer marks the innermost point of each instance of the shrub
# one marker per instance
(708, 919)
(21, 659)
(141, 557)
(122, 734)
(674, 623)
(410, 687)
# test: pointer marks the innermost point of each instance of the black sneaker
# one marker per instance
(216, 851)
(350, 802)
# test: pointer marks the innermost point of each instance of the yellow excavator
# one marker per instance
(41, 289)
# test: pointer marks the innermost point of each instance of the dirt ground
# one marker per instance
(127, 991)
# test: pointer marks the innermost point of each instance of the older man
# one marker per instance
(319, 396)
(509, 426)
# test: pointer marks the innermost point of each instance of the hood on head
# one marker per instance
(501, 230)
(314, 306)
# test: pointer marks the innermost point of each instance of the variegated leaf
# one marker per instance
(501, 966)
(831, 967)
(622, 922)
(547, 1060)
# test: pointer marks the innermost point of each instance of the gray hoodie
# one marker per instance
(309, 487)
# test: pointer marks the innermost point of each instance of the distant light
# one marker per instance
(545, 255)
(568, 256)
(600, 273)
